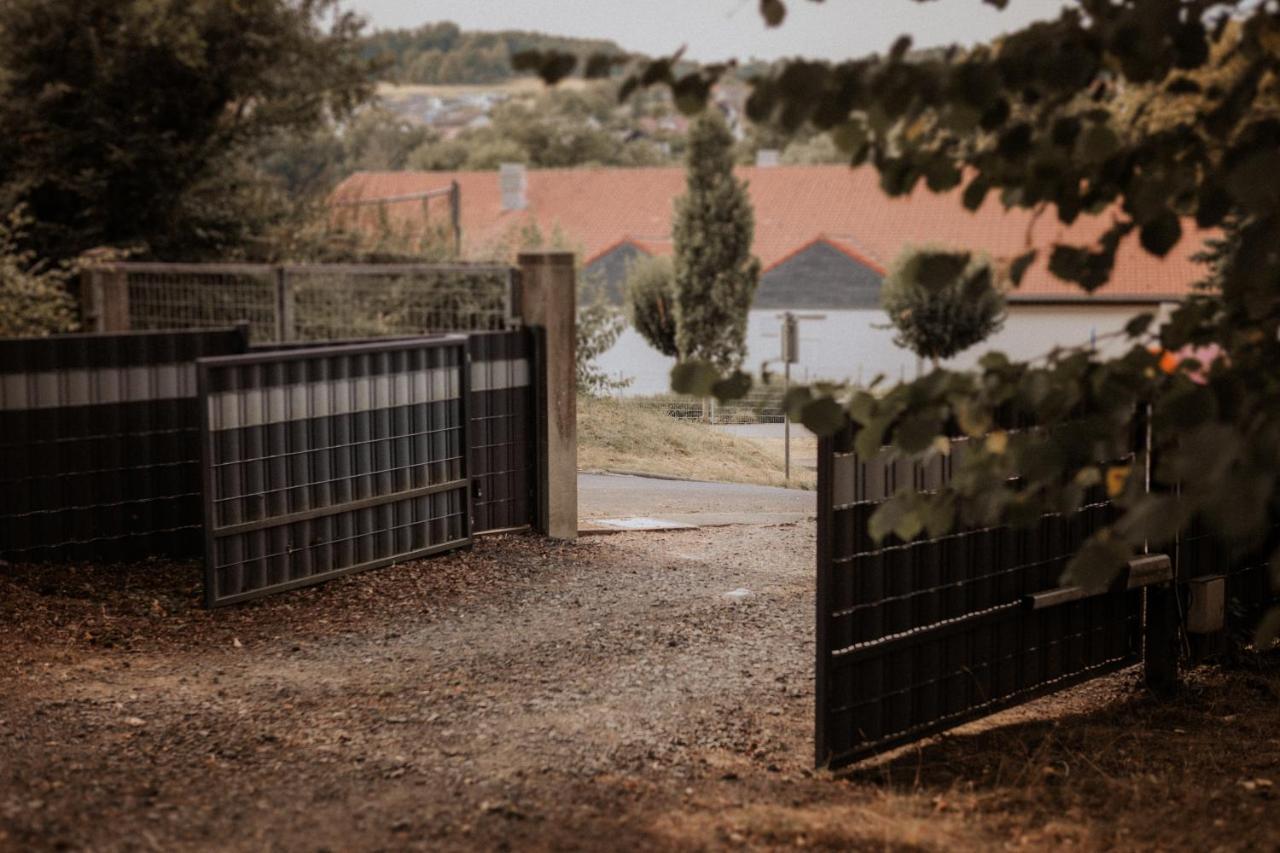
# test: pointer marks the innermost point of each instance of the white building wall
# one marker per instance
(854, 345)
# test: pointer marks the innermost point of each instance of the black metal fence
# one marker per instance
(916, 637)
(99, 444)
(285, 465)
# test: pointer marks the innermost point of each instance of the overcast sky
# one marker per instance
(721, 29)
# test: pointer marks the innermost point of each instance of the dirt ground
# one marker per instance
(530, 696)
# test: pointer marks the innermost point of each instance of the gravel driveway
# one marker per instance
(522, 694)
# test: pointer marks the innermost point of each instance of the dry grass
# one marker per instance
(631, 439)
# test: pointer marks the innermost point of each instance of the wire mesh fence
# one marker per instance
(203, 296)
(306, 302)
(764, 405)
(328, 301)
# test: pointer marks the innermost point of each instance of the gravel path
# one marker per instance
(568, 696)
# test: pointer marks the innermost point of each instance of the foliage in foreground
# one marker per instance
(1153, 111)
(33, 296)
(941, 301)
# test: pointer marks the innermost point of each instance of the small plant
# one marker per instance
(651, 300)
(942, 301)
(33, 295)
(600, 323)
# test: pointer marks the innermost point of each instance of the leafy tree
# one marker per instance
(33, 295)
(942, 301)
(599, 322)
(442, 53)
(715, 272)
(123, 119)
(651, 301)
(1157, 111)
(555, 130)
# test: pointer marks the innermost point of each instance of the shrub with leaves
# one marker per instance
(33, 294)
(942, 301)
(600, 323)
(651, 302)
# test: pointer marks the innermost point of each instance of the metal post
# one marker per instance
(786, 423)
(1160, 640)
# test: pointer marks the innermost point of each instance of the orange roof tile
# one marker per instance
(595, 209)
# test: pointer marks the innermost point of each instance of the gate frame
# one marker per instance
(212, 532)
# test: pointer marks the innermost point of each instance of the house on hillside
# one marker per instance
(825, 236)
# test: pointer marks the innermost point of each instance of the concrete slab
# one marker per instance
(613, 496)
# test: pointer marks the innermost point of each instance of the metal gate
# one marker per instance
(320, 461)
(917, 637)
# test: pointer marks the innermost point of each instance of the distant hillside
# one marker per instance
(443, 54)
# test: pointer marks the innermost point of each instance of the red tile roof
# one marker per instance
(596, 209)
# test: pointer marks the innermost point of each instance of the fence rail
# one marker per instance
(303, 302)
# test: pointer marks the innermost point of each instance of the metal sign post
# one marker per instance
(790, 335)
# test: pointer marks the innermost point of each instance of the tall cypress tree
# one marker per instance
(715, 272)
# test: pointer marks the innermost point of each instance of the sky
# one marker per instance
(721, 29)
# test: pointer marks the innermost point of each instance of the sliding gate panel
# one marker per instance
(328, 460)
(914, 638)
(502, 430)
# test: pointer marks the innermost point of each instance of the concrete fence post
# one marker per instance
(104, 299)
(548, 305)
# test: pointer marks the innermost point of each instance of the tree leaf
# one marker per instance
(734, 387)
(697, 378)
(773, 11)
(915, 432)
(823, 416)
(1161, 234)
(1098, 562)
(1137, 327)
(976, 192)
(1020, 265)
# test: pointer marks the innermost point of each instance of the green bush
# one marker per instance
(942, 301)
(651, 299)
(33, 295)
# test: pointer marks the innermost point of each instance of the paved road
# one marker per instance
(703, 504)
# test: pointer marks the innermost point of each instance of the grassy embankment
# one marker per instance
(614, 436)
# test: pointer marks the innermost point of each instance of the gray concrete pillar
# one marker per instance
(548, 305)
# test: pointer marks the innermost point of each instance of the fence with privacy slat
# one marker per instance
(306, 302)
(323, 461)
(916, 637)
(99, 444)
(502, 430)
(291, 461)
